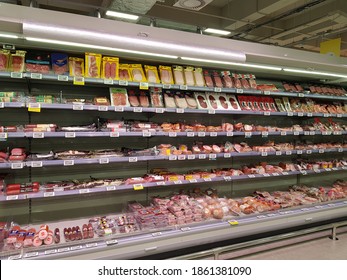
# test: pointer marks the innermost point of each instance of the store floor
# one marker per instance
(319, 249)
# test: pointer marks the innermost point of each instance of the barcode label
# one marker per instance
(159, 110)
(202, 156)
(133, 159)
(17, 165)
(69, 162)
(63, 78)
(70, 134)
(104, 160)
(137, 110)
(103, 108)
(123, 83)
(77, 107)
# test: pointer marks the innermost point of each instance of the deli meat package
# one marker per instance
(208, 78)
(213, 100)
(124, 72)
(233, 102)
(202, 101)
(156, 97)
(217, 79)
(133, 98)
(38, 62)
(152, 74)
(144, 99)
(178, 75)
(76, 66)
(166, 74)
(191, 102)
(226, 79)
(110, 68)
(189, 76)
(119, 97)
(180, 100)
(60, 63)
(224, 102)
(17, 61)
(93, 65)
(137, 73)
(199, 78)
(169, 99)
(4, 60)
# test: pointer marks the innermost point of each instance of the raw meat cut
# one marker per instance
(201, 100)
(212, 101)
(208, 79)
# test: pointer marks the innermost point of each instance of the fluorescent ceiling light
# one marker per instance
(121, 15)
(318, 73)
(274, 68)
(217, 31)
(8, 36)
(65, 43)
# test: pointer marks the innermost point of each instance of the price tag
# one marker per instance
(212, 156)
(321, 151)
(190, 157)
(178, 182)
(309, 114)
(69, 162)
(179, 111)
(266, 92)
(16, 75)
(159, 110)
(285, 173)
(264, 154)
(306, 133)
(50, 252)
(119, 109)
(138, 187)
(2, 105)
(312, 133)
(339, 115)
(91, 245)
(335, 169)
(172, 134)
(327, 169)
(193, 181)
(78, 81)
(261, 216)
(17, 165)
(326, 115)
(300, 114)
(326, 132)
(227, 178)
(230, 134)
(114, 134)
(31, 254)
(266, 175)
(299, 152)
(173, 157)
(12, 197)
(183, 87)
(181, 157)
(248, 134)
(296, 133)
(123, 83)
(233, 222)
(63, 78)
(340, 150)
(288, 153)
(283, 133)
(108, 81)
(48, 194)
(337, 132)
(83, 191)
(316, 170)
(36, 76)
(319, 206)
(303, 172)
(133, 159)
(309, 152)
(104, 160)
(34, 107)
(77, 107)
(38, 135)
(290, 114)
(207, 179)
(267, 113)
(201, 134)
(137, 110)
(202, 156)
(275, 174)
(301, 95)
(217, 89)
(190, 134)
(111, 242)
(166, 86)
(15, 257)
(70, 135)
(264, 134)
(146, 134)
(239, 90)
(111, 188)
(251, 176)
(227, 155)
(185, 229)
(161, 183)
(278, 153)
(271, 215)
(78, 247)
(213, 134)
(211, 112)
(36, 164)
(3, 135)
(103, 108)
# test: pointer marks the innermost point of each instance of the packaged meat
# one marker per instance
(267, 87)
(201, 100)
(233, 102)
(152, 74)
(237, 81)
(38, 62)
(208, 78)
(10, 96)
(137, 73)
(280, 105)
(60, 63)
(92, 65)
(133, 98)
(180, 100)
(4, 60)
(286, 104)
(169, 100)
(76, 66)
(227, 81)
(144, 99)
(213, 101)
(101, 101)
(189, 76)
(244, 82)
(217, 79)
(199, 78)
(166, 74)
(119, 97)
(156, 97)
(178, 75)
(224, 102)
(124, 72)
(110, 68)
(299, 87)
(191, 102)
(17, 61)
(17, 151)
(252, 82)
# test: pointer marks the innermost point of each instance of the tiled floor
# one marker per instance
(319, 249)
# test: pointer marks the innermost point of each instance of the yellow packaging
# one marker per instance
(4, 61)
(199, 77)
(189, 76)
(92, 65)
(166, 74)
(124, 72)
(137, 73)
(178, 75)
(152, 74)
(17, 61)
(110, 68)
(76, 66)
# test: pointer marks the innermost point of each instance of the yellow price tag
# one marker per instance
(138, 187)
(34, 107)
(233, 223)
(189, 177)
(78, 81)
(144, 86)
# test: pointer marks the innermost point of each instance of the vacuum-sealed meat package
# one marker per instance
(76, 66)
(124, 72)
(199, 78)
(202, 101)
(17, 61)
(217, 79)
(166, 74)
(226, 79)
(92, 65)
(60, 63)
(38, 62)
(137, 73)
(191, 102)
(119, 97)
(4, 60)
(144, 99)
(169, 99)
(180, 100)
(133, 98)
(152, 74)
(156, 97)
(189, 76)
(110, 68)
(208, 78)
(178, 75)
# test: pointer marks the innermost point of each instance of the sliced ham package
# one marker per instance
(156, 97)
(119, 97)
(38, 62)
(166, 74)
(224, 102)
(144, 99)
(133, 98)
(93, 65)
(60, 63)
(252, 81)
(124, 72)
(110, 68)
(208, 78)
(17, 61)
(217, 79)
(202, 101)
(4, 60)
(169, 99)
(226, 79)
(76, 66)
(178, 75)
(191, 102)
(137, 73)
(199, 78)
(152, 74)
(189, 76)
(237, 81)
(180, 100)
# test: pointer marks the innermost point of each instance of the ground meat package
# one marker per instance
(119, 97)
(178, 75)
(60, 63)
(137, 73)
(156, 97)
(166, 74)
(110, 68)
(202, 101)
(152, 74)
(124, 72)
(76, 66)
(189, 76)
(199, 78)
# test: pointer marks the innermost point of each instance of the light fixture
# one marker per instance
(73, 44)
(2, 35)
(259, 66)
(317, 73)
(217, 31)
(121, 15)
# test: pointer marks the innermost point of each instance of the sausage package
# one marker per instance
(200, 98)
(166, 74)
(76, 66)
(110, 68)
(156, 97)
(189, 76)
(137, 73)
(17, 61)
(124, 72)
(92, 65)
(152, 74)
(119, 97)
(4, 60)
(60, 63)
(178, 75)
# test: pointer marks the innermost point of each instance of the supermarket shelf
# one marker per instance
(145, 243)
(138, 187)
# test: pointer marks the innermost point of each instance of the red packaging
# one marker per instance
(255, 101)
(16, 158)
(244, 82)
(208, 79)
(226, 79)
(217, 79)
(249, 101)
(252, 81)
(28, 241)
(272, 104)
(17, 152)
(237, 82)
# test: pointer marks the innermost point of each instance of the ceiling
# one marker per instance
(301, 24)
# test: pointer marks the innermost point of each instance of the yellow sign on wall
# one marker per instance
(331, 47)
